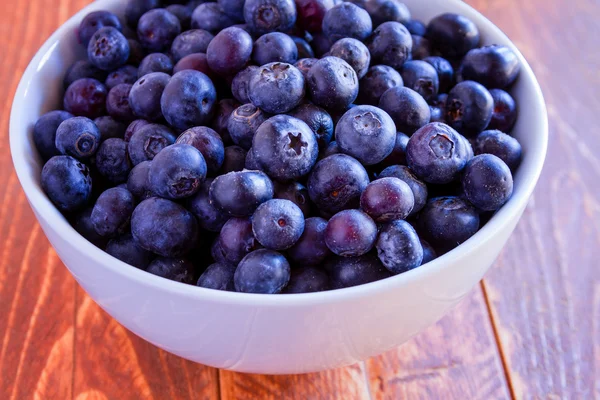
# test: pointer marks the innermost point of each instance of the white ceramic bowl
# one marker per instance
(259, 333)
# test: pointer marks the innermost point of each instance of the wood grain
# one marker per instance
(541, 301)
(545, 291)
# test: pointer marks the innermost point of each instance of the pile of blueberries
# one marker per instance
(273, 146)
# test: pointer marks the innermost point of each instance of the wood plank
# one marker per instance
(343, 383)
(36, 291)
(113, 363)
(455, 359)
(545, 291)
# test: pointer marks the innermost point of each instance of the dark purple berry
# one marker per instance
(234, 161)
(112, 160)
(108, 49)
(67, 183)
(277, 224)
(376, 82)
(95, 21)
(353, 271)
(217, 276)
(190, 42)
(235, 241)
(137, 181)
(487, 182)
(127, 250)
(78, 137)
(307, 280)
(276, 87)
(452, 34)
(262, 16)
(504, 115)
(243, 123)
(240, 193)
(229, 51)
(174, 269)
(44, 133)
(407, 108)
(262, 271)
(117, 103)
(503, 146)
(469, 108)
(354, 52)
(177, 171)
(274, 47)
(350, 233)
(157, 29)
(209, 217)
(125, 74)
(239, 85)
(86, 97)
(347, 20)
(208, 142)
(399, 248)
(155, 62)
(332, 83)
(145, 96)
(148, 141)
(112, 212)
(387, 199)
(421, 77)
(493, 66)
(390, 44)
(418, 188)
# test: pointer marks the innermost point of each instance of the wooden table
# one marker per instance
(531, 330)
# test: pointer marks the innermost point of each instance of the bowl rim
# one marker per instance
(46, 210)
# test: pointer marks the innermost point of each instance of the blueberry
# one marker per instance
(444, 70)
(504, 115)
(148, 141)
(407, 108)
(250, 162)
(229, 52)
(78, 137)
(243, 123)
(277, 224)
(44, 132)
(264, 16)
(311, 13)
(183, 13)
(353, 271)
(137, 181)
(418, 188)
(157, 29)
(177, 171)
(136, 8)
(196, 62)
(318, 120)
(274, 46)
(437, 153)
(390, 44)
(134, 127)
(239, 85)
(331, 149)
(209, 217)
(336, 183)
(452, 34)
(225, 108)
(304, 65)
(332, 83)
(240, 193)
(469, 108)
(83, 69)
(67, 183)
(276, 87)
(235, 241)
(296, 193)
(112, 160)
(354, 52)
(415, 27)
(210, 17)
(235, 159)
(190, 42)
(378, 79)
(125, 74)
(350, 233)
(86, 97)
(108, 49)
(262, 271)
(503, 146)
(493, 66)
(487, 182)
(217, 276)
(117, 103)
(136, 52)
(366, 133)
(82, 223)
(164, 227)
(155, 62)
(398, 154)
(174, 269)
(347, 20)
(208, 142)
(233, 8)
(145, 95)
(421, 77)
(387, 199)
(429, 253)
(421, 48)
(285, 147)
(188, 99)
(398, 247)
(446, 222)
(310, 249)
(307, 280)
(112, 212)
(93, 22)
(127, 250)
(303, 48)
(320, 44)
(385, 10)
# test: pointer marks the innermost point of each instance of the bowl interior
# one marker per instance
(40, 91)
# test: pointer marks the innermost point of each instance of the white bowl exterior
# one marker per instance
(271, 334)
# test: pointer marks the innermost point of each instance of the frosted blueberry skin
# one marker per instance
(277, 224)
(209, 217)
(418, 187)
(332, 83)
(437, 153)
(350, 233)
(262, 271)
(108, 49)
(391, 44)
(503, 146)
(174, 269)
(112, 212)
(398, 247)
(276, 87)
(208, 143)
(164, 227)
(452, 35)
(67, 182)
(469, 108)
(310, 249)
(177, 171)
(387, 199)
(407, 108)
(262, 16)
(353, 271)
(487, 182)
(157, 29)
(307, 280)
(347, 20)
(238, 194)
(44, 132)
(148, 141)
(218, 277)
(78, 137)
(126, 249)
